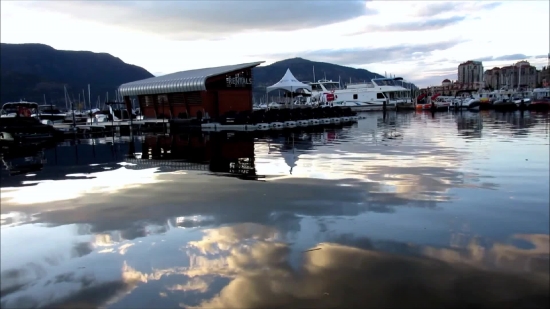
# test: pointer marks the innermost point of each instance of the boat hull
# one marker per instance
(539, 105)
(52, 117)
(511, 106)
(429, 107)
(405, 107)
(358, 106)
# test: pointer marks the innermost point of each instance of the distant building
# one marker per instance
(448, 88)
(470, 72)
(521, 74)
(544, 77)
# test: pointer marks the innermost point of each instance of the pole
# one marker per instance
(291, 97)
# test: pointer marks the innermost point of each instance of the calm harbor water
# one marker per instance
(407, 210)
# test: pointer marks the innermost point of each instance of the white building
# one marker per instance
(470, 72)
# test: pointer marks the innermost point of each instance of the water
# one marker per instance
(403, 211)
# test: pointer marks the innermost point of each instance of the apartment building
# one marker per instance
(470, 72)
(520, 74)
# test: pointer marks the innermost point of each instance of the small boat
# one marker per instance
(116, 112)
(431, 103)
(20, 123)
(540, 100)
(50, 112)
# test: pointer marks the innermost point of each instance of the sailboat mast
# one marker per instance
(65, 93)
(84, 98)
(89, 97)
(314, 74)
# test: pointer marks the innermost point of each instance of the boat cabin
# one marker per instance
(540, 93)
(19, 109)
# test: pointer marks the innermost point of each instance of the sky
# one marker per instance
(422, 41)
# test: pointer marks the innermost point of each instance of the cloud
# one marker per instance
(183, 20)
(511, 57)
(420, 25)
(434, 9)
(360, 56)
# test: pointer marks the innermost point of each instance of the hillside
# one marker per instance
(30, 71)
(303, 71)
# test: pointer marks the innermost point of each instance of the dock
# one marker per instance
(115, 127)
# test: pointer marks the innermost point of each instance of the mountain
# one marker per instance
(30, 71)
(302, 69)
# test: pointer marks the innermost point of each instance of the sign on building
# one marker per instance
(237, 80)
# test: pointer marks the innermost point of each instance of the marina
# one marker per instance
(205, 155)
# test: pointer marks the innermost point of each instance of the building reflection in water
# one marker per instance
(229, 154)
(469, 126)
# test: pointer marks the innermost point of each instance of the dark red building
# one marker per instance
(186, 94)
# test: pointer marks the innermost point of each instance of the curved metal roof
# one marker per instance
(185, 81)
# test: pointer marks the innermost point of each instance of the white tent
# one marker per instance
(288, 83)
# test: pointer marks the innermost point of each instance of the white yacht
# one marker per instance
(369, 96)
(50, 112)
(115, 112)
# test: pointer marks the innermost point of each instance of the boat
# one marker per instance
(20, 123)
(116, 111)
(467, 99)
(424, 102)
(540, 99)
(376, 95)
(50, 112)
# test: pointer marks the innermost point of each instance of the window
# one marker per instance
(162, 99)
(355, 96)
(149, 101)
(380, 96)
(331, 86)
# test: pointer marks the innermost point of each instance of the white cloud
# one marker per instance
(265, 32)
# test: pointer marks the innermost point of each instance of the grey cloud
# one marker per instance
(435, 9)
(508, 57)
(490, 6)
(359, 56)
(421, 25)
(210, 19)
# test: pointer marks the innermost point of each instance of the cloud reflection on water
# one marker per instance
(106, 182)
(254, 259)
